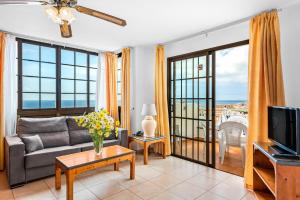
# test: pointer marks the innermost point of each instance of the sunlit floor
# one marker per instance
(232, 160)
(171, 178)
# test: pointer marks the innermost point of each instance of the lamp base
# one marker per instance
(149, 126)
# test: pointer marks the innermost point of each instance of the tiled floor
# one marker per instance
(172, 178)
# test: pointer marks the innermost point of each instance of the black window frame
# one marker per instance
(58, 111)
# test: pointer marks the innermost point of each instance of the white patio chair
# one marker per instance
(232, 133)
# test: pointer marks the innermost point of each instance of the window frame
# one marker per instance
(58, 111)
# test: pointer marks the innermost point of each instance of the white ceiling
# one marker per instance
(148, 21)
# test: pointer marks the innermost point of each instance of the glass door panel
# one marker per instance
(191, 84)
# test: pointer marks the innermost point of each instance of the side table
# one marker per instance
(146, 142)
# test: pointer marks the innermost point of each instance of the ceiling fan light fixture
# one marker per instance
(52, 12)
(66, 14)
(59, 15)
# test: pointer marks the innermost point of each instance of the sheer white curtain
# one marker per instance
(101, 84)
(10, 85)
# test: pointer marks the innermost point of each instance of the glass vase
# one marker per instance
(98, 145)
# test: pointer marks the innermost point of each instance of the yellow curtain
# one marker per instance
(125, 89)
(265, 81)
(111, 61)
(161, 101)
(2, 128)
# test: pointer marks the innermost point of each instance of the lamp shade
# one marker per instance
(149, 110)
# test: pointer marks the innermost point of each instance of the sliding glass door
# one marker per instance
(191, 107)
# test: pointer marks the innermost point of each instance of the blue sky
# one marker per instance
(232, 73)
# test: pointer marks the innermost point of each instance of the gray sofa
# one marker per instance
(59, 135)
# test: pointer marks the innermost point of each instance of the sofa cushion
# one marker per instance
(47, 156)
(77, 134)
(32, 143)
(52, 131)
(89, 146)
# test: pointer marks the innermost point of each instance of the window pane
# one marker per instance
(67, 57)
(81, 73)
(30, 52)
(48, 85)
(81, 100)
(67, 86)
(48, 100)
(119, 77)
(81, 59)
(30, 68)
(93, 61)
(67, 100)
(119, 88)
(30, 101)
(48, 54)
(92, 100)
(93, 74)
(92, 87)
(30, 84)
(48, 70)
(119, 100)
(67, 71)
(81, 86)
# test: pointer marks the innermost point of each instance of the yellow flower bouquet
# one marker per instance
(100, 125)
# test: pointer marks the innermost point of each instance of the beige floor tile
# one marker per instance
(126, 182)
(31, 188)
(167, 196)
(166, 181)
(215, 174)
(36, 195)
(210, 196)
(187, 171)
(106, 189)
(93, 179)
(146, 190)
(147, 172)
(187, 191)
(232, 191)
(124, 195)
(82, 195)
(203, 182)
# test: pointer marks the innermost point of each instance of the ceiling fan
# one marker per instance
(60, 11)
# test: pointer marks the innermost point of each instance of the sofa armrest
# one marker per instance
(14, 160)
(123, 137)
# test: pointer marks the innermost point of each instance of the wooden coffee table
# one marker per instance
(146, 142)
(77, 163)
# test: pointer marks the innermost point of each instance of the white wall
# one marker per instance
(290, 53)
(228, 35)
(143, 82)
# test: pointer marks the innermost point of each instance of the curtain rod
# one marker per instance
(51, 41)
(205, 32)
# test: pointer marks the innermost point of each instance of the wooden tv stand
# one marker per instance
(274, 178)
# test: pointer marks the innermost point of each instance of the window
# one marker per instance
(55, 80)
(119, 78)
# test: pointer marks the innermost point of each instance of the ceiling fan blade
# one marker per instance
(65, 30)
(101, 15)
(23, 2)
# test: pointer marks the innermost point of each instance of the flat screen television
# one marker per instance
(283, 125)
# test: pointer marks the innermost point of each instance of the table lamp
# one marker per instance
(149, 124)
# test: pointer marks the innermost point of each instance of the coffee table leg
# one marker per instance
(116, 166)
(132, 167)
(145, 153)
(70, 181)
(57, 177)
